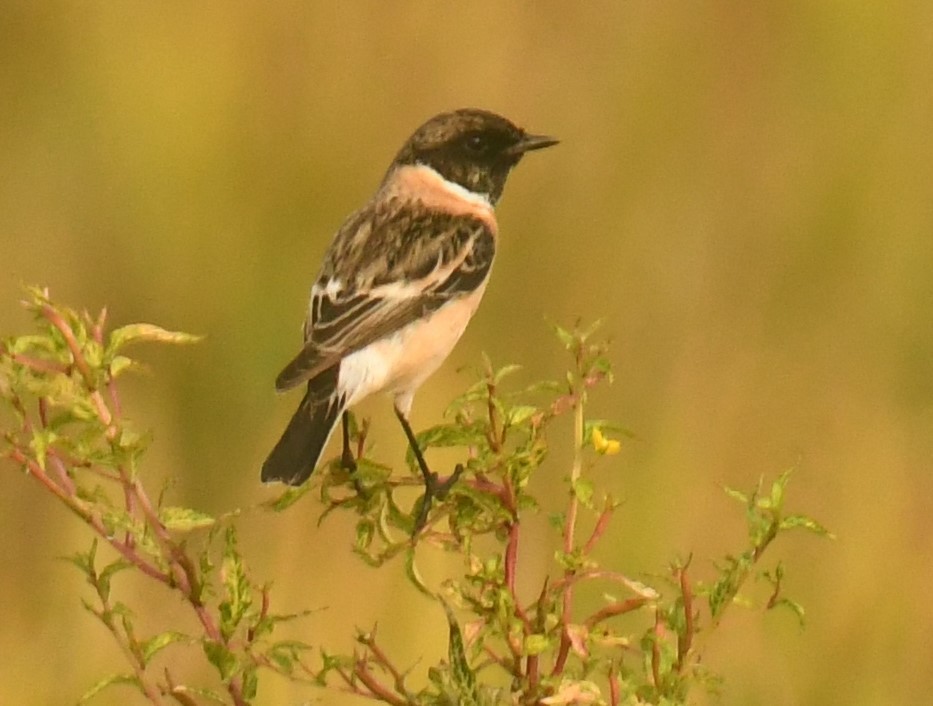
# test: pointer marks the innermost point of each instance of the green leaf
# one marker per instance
(411, 570)
(289, 497)
(570, 561)
(476, 392)
(266, 625)
(93, 354)
(121, 364)
(221, 657)
(112, 680)
(236, 584)
(133, 333)
(504, 372)
(249, 683)
(42, 440)
(807, 523)
(724, 590)
(151, 647)
(122, 610)
(107, 573)
(520, 413)
(130, 439)
(736, 494)
(777, 490)
(31, 344)
(330, 661)
(286, 654)
(448, 435)
(793, 606)
(462, 675)
(365, 531)
(184, 519)
(583, 489)
(536, 644)
(565, 336)
(85, 560)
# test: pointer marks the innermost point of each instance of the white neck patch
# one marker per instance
(454, 188)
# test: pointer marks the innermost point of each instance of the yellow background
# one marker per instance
(742, 192)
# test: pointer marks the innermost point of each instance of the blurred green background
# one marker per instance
(744, 193)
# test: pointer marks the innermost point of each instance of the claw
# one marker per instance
(433, 487)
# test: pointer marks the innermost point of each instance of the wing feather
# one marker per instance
(381, 275)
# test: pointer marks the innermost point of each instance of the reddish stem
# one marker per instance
(493, 437)
(97, 327)
(182, 573)
(54, 318)
(614, 609)
(92, 519)
(511, 559)
(130, 649)
(377, 690)
(81, 364)
(685, 640)
(599, 530)
(656, 650)
(382, 659)
(63, 478)
(38, 364)
(614, 686)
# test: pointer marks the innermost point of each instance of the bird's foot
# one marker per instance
(434, 487)
(347, 461)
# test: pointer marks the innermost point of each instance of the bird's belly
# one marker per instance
(399, 363)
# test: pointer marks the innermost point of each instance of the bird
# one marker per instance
(399, 282)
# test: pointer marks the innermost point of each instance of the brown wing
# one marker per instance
(383, 272)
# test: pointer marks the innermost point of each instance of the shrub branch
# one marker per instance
(645, 645)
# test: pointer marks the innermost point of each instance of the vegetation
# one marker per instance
(67, 431)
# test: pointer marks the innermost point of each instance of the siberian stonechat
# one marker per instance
(400, 281)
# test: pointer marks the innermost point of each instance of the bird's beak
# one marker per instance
(531, 142)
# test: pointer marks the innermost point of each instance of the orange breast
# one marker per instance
(435, 192)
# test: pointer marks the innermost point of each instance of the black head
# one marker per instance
(473, 148)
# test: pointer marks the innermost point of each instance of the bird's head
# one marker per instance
(473, 148)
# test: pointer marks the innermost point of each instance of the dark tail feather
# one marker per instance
(298, 451)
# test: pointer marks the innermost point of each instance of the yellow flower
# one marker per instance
(607, 447)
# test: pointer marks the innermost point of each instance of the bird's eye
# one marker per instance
(477, 144)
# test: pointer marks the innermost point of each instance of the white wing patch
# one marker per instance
(334, 286)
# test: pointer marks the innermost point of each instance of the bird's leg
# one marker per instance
(433, 488)
(429, 477)
(346, 457)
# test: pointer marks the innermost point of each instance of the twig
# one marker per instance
(615, 576)
(92, 519)
(685, 639)
(377, 690)
(383, 661)
(181, 573)
(602, 524)
(614, 686)
(614, 609)
(656, 649)
(126, 645)
(38, 364)
(81, 364)
(493, 437)
(569, 531)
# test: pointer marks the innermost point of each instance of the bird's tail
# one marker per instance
(298, 451)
